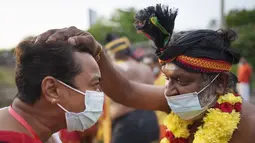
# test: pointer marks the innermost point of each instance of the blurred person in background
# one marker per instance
(244, 74)
(128, 124)
(160, 79)
(104, 124)
(152, 61)
(57, 89)
(138, 53)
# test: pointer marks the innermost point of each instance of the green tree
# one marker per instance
(101, 28)
(121, 23)
(244, 23)
(236, 18)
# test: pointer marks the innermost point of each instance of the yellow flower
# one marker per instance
(218, 126)
(231, 98)
(164, 140)
(177, 126)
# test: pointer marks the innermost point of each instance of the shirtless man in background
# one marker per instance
(129, 124)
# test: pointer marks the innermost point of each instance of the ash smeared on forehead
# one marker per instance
(169, 68)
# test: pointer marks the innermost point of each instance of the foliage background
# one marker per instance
(121, 22)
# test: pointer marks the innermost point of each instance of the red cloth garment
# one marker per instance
(15, 137)
(69, 137)
(76, 137)
(244, 73)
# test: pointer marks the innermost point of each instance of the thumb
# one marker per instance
(86, 40)
(81, 40)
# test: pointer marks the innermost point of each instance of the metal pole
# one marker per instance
(222, 17)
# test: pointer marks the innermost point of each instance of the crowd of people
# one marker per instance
(72, 89)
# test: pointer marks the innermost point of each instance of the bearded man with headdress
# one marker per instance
(198, 95)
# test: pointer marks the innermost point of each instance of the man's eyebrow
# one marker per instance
(96, 77)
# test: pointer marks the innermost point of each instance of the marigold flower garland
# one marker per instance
(219, 123)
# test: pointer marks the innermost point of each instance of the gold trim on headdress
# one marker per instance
(119, 48)
(111, 44)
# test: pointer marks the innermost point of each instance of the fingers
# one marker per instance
(87, 41)
(59, 34)
(65, 33)
(81, 40)
(44, 36)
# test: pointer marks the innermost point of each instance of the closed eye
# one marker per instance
(181, 82)
(96, 84)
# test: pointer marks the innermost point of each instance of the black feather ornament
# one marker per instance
(157, 24)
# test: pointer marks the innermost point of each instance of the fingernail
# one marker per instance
(51, 39)
(37, 39)
(71, 41)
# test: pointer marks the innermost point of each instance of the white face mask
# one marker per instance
(94, 101)
(187, 106)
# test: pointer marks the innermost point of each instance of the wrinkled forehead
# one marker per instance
(171, 69)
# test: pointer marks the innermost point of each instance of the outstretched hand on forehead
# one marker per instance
(73, 36)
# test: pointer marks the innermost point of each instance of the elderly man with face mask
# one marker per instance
(57, 89)
(198, 95)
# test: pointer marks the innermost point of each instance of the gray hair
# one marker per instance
(208, 95)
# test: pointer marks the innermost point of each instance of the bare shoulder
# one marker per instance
(5, 118)
(145, 67)
(246, 128)
(3, 113)
(250, 115)
(142, 71)
(123, 67)
(248, 112)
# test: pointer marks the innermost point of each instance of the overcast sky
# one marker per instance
(20, 18)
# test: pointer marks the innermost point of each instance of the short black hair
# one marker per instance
(110, 37)
(36, 61)
(124, 53)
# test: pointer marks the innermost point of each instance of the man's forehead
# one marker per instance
(171, 69)
(89, 67)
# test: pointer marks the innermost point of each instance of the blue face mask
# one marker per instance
(93, 102)
(187, 106)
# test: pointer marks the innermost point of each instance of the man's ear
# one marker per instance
(222, 83)
(49, 88)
